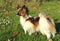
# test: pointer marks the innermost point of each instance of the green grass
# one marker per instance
(6, 31)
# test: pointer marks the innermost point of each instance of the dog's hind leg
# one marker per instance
(53, 34)
(25, 31)
(48, 36)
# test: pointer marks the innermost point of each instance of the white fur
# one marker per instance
(27, 25)
(44, 26)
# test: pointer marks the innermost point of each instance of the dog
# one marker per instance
(42, 23)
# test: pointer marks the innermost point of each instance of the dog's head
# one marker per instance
(22, 11)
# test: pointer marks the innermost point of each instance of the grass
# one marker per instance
(10, 27)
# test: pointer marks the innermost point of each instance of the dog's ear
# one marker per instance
(18, 7)
(25, 8)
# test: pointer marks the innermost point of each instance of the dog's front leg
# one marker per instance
(30, 32)
(25, 31)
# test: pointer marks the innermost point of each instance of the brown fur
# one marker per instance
(48, 17)
(34, 21)
(52, 27)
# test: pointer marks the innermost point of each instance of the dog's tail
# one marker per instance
(43, 24)
(50, 21)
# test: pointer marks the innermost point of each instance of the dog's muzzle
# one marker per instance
(18, 14)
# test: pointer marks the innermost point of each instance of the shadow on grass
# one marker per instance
(57, 25)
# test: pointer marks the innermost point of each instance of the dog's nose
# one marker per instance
(17, 14)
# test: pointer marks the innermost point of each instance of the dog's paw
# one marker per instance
(50, 40)
(30, 33)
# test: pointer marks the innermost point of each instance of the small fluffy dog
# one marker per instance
(42, 23)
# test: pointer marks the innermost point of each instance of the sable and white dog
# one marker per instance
(42, 23)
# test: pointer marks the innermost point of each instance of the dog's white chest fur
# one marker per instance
(22, 20)
(27, 25)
